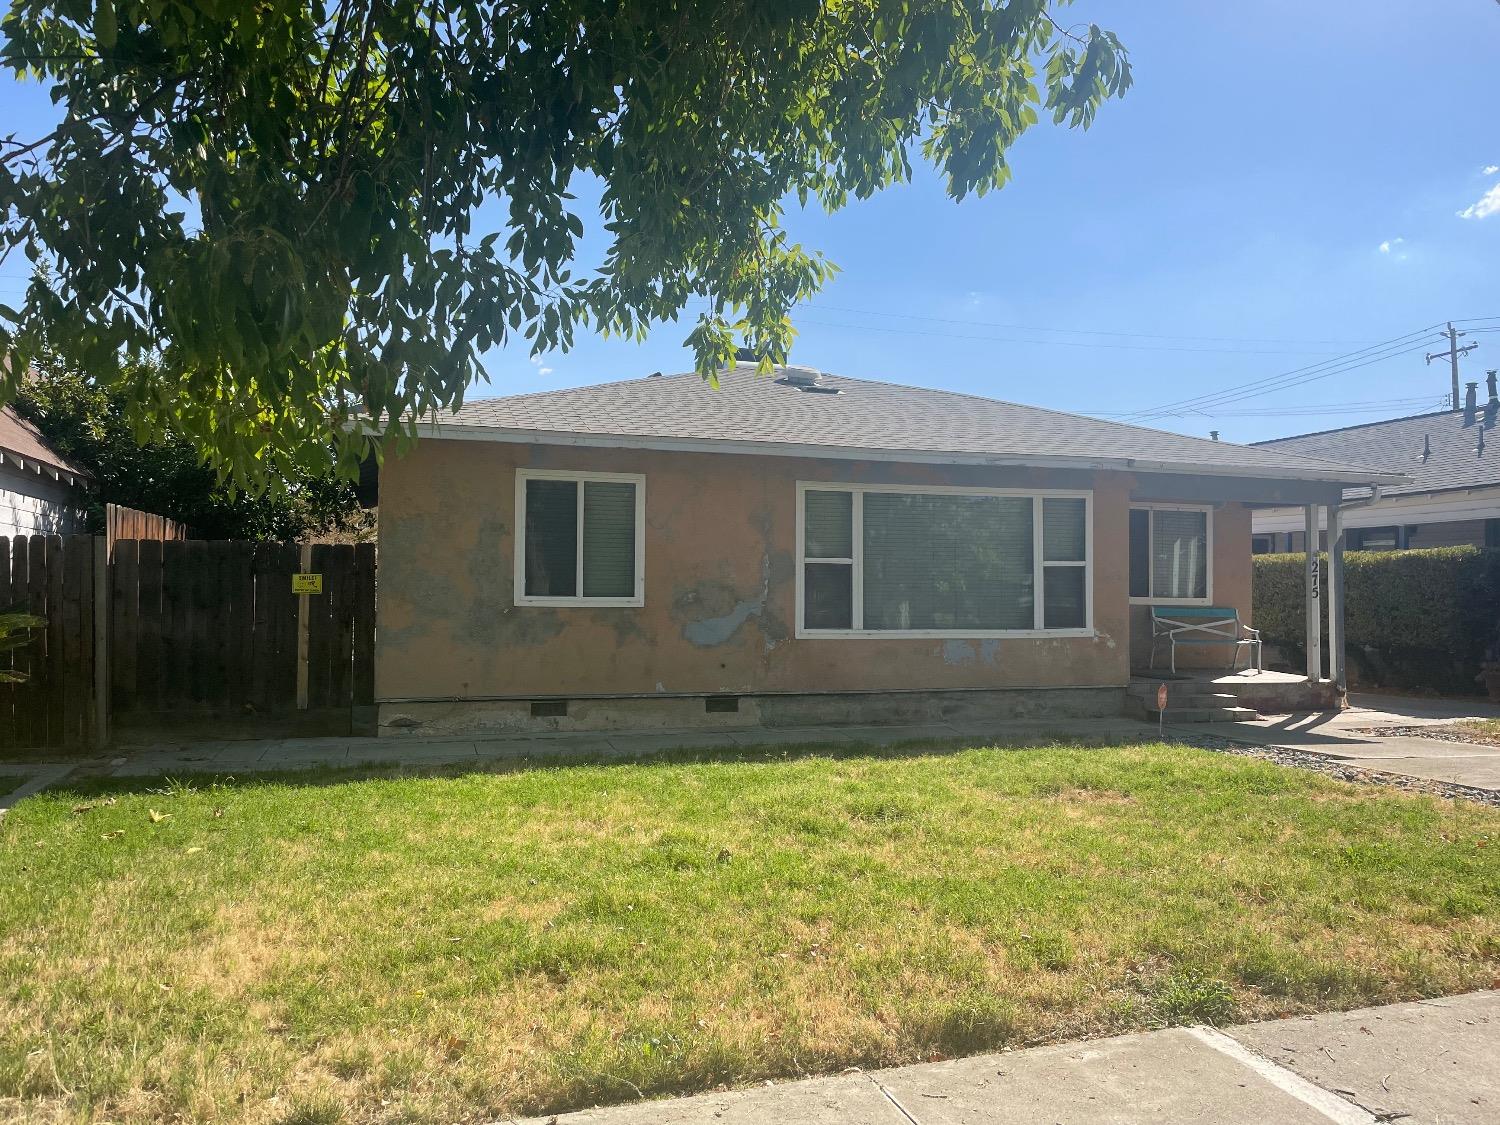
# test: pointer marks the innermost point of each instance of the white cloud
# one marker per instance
(1487, 204)
(1390, 244)
(544, 371)
(1491, 169)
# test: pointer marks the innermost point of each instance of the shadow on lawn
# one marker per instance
(84, 784)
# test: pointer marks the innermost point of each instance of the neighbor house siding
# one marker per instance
(1455, 533)
(719, 585)
(34, 505)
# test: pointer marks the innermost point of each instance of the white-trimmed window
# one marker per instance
(580, 538)
(1171, 554)
(881, 561)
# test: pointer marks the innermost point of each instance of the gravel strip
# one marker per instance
(1443, 733)
(1301, 759)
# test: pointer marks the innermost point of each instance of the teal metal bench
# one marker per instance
(1202, 625)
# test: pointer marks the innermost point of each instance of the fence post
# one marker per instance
(303, 615)
(102, 614)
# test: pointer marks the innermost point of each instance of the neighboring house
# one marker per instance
(802, 548)
(41, 491)
(1452, 498)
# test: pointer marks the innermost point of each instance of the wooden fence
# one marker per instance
(55, 577)
(188, 634)
(121, 522)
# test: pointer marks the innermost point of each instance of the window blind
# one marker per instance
(1179, 564)
(828, 527)
(1063, 530)
(947, 562)
(608, 539)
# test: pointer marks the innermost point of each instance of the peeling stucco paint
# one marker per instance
(959, 652)
(707, 632)
(717, 630)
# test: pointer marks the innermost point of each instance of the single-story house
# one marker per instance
(1452, 496)
(800, 548)
(41, 491)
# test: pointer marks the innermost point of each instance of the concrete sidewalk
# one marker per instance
(1429, 1063)
(270, 755)
(1354, 736)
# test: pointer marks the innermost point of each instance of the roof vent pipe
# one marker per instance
(1471, 403)
(801, 376)
(1214, 434)
(1489, 378)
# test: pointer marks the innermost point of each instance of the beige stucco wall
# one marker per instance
(720, 585)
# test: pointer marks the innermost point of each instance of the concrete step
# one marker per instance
(1205, 714)
(1203, 694)
(1201, 707)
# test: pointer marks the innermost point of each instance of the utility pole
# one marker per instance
(1452, 354)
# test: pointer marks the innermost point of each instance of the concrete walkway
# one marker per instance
(271, 755)
(1353, 736)
(1434, 1062)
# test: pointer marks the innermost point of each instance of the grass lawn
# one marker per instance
(317, 948)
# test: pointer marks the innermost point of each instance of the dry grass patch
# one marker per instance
(458, 947)
(1480, 730)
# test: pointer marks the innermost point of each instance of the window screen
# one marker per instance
(884, 561)
(1168, 553)
(1140, 553)
(947, 562)
(602, 557)
(552, 538)
(1064, 555)
(1179, 554)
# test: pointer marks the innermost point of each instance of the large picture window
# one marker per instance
(580, 538)
(1170, 554)
(878, 561)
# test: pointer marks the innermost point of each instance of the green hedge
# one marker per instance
(1412, 618)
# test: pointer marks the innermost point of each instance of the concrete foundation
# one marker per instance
(426, 718)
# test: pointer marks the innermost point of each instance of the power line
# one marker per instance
(1314, 377)
(1388, 349)
(1357, 407)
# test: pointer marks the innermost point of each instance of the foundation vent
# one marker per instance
(549, 708)
(721, 704)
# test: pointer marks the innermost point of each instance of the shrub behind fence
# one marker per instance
(1413, 619)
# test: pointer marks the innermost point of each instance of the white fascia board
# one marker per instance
(455, 432)
(1426, 507)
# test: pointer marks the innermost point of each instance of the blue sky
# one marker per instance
(1283, 185)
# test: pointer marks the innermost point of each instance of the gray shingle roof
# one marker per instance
(753, 413)
(1454, 460)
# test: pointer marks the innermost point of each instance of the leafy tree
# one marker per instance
(91, 426)
(15, 633)
(307, 210)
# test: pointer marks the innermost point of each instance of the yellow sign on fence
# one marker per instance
(307, 583)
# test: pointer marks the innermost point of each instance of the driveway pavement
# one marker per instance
(1354, 736)
(1434, 1062)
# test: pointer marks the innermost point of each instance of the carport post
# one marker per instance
(1336, 596)
(1314, 596)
